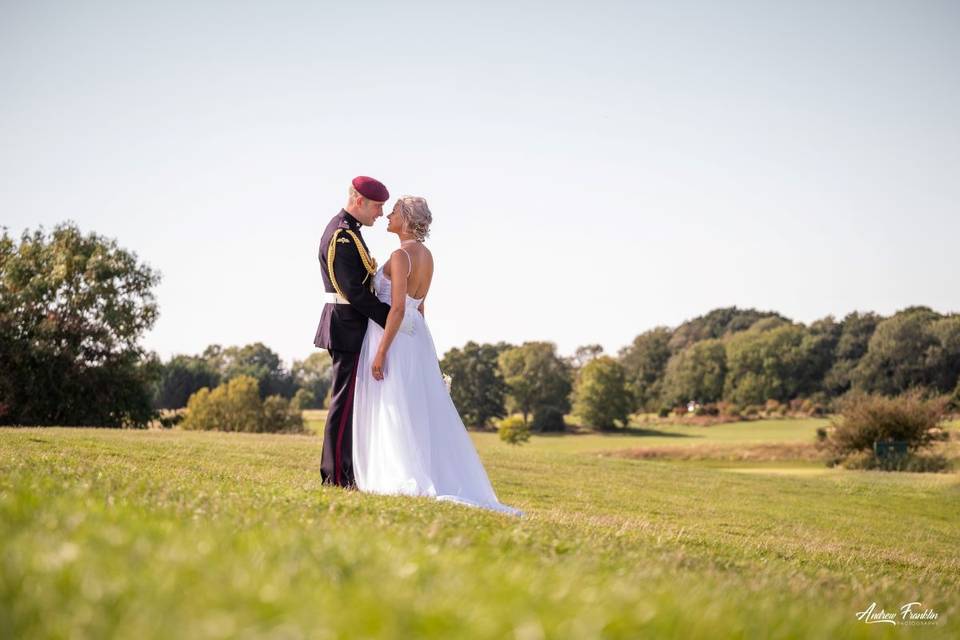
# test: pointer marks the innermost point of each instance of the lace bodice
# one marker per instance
(384, 290)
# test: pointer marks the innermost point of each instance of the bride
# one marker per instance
(407, 435)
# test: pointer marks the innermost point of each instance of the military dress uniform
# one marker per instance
(348, 280)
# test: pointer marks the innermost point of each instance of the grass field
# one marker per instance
(171, 534)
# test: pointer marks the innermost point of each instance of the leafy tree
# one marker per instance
(585, 354)
(765, 364)
(644, 363)
(73, 308)
(717, 324)
(216, 358)
(539, 382)
(945, 359)
(696, 373)
(314, 375)
(916, 347)
(255, 360)
(856, 329)
(477, 387)
(602, 396)
(180, 378)
(816, 355)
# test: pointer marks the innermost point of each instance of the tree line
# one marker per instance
(737, 357)
(74, 306)
(306, 383)
(73, 310)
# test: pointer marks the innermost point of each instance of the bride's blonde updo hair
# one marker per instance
(416, 215)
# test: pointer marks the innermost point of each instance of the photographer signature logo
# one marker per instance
(910, 615)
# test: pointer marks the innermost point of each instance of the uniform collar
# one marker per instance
(350, 220)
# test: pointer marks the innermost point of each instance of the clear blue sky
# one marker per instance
(594, 169)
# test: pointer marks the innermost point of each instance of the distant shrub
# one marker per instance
(236, 406)
(726, 409)
(663, 412)
(548, 419)
(954, 402)
(513, 430)
(169, 419)
(303, 399)
(925, 462)
(878, 432)
(710, 409)
(279, 415)
(773, 409)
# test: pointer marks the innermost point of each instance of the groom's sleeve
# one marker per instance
(350, 275)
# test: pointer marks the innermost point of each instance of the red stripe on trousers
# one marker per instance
(347, 410)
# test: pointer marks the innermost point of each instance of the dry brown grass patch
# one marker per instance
(761, 452)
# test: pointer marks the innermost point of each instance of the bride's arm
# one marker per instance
(398, 298)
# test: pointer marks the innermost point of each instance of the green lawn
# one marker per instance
(171, 534)
(640, 435)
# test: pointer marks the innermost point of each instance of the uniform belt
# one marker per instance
(334, 298)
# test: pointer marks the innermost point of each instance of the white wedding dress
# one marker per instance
(407, 435)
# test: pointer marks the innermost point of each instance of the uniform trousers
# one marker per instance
(336, 465)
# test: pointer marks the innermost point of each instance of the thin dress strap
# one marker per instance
(409, 262)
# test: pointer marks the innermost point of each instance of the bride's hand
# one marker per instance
(379, 362)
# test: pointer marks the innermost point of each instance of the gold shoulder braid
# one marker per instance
(368, 263)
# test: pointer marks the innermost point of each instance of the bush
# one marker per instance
(279, 415)
(866, 420)
(815, 408)
(913, 462)
(954, 403)
(236, 406)
(170, 419)
(513, 430)
(710, 409)
(728, 409)
(663, 412)
(773, 408)
(548, 419)
(752, 410)
(303, 399)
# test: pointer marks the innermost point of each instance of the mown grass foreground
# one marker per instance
(172, 534)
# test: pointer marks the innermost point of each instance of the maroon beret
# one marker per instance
(371, 189)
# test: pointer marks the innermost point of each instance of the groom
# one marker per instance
(348, 279)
